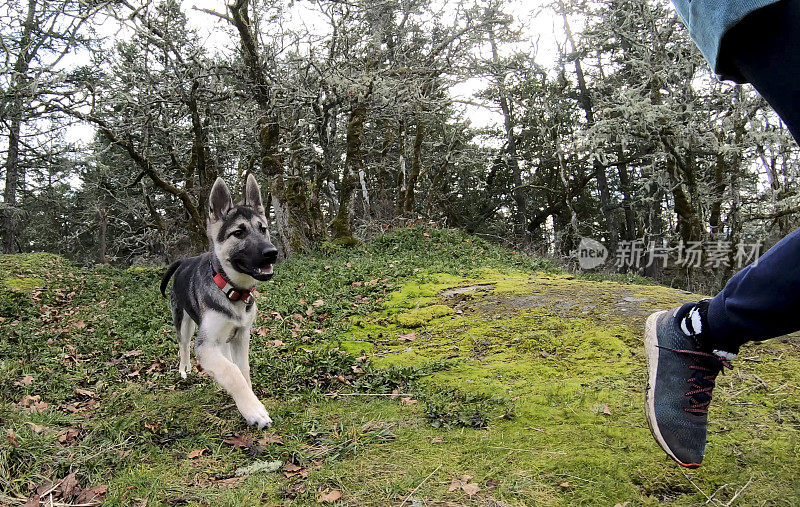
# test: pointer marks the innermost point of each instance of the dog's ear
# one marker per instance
(252, 195)
(219, 202)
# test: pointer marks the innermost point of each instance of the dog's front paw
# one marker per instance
(256, 415)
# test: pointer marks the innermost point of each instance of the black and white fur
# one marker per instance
(242, 252)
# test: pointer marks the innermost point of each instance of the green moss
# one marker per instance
(346, 241)
(423, 290)
(23, 284)
(421, 316)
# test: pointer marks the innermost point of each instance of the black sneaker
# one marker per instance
(680, 380)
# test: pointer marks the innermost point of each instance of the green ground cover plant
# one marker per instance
(426, 367)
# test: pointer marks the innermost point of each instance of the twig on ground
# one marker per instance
(715, 493)
(739, 492)
(698, 488)
(420, 485)
(579, 478)
(526, 450)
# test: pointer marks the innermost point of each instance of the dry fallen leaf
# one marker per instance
(132, 353)
(276, 343)
(271, 438)
(329, 496)
(310, 311)
(68, 437)
(470, 489)
(12, 438)
(32, 404)
(69, 486)
(227, 483)
(318, 303)
(157, 366)
(85, 392)
(564, 485)
(26, 380)
(291, 470)
(606, 410)
(407, 401)
(463, 483)
(34, 427)
(197, 453)
(243, 440)
(92, 495)
(410, 337)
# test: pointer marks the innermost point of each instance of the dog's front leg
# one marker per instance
(211, 338)
(240, 352)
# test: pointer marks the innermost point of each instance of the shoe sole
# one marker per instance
(651, 351)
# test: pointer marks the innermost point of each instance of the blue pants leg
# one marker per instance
(763, 300)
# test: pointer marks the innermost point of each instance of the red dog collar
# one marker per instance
(230, 291)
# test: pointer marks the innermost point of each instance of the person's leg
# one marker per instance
(764, 48)
(688, 346)
(759, 302)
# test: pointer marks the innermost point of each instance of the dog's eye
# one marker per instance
(262, 229)
(239, 233)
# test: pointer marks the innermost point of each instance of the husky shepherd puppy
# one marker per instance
(211, 293)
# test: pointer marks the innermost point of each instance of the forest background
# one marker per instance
(531, 124)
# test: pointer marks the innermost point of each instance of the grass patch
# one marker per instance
(390, 368)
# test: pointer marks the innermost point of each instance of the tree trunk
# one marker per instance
(689, 225)
(718, 189)
(12, 181)
(298, 222)
(101, 254)
(354, 164)
(627, 205)
(17, 89)
(598, 168)
(518, 193)
(416, 168)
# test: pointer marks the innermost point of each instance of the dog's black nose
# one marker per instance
(270, 253)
